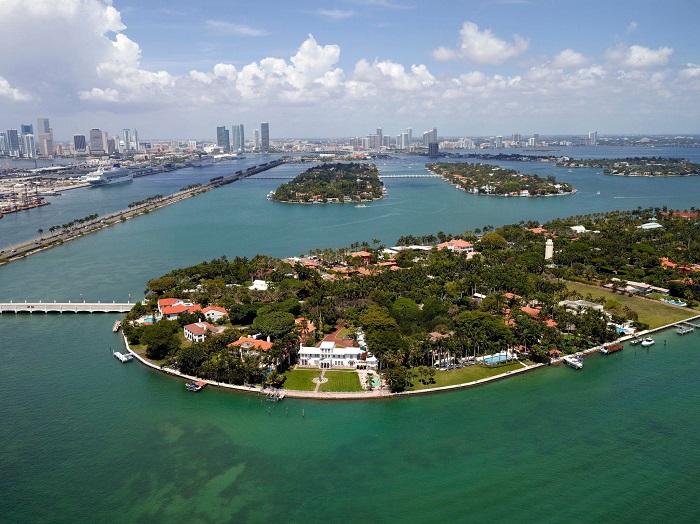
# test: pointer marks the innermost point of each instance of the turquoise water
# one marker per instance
(88, 439)
(494, 359)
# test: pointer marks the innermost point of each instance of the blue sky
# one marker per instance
(325, 69)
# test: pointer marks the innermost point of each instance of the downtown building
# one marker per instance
(223, 139)
(238, 138)
(265, 137)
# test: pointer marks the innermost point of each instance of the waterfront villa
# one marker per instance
(170, 308)
(251, 346)
(215, 313)
(458, 246)
(199, 331)
(329, 356)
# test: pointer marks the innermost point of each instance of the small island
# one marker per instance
(636, 166)
(487, 179)
(436, 311)
(332, 183)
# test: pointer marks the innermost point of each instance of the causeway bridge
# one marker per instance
(393, 175)
(65, 307)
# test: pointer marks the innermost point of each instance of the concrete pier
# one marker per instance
(65, 307)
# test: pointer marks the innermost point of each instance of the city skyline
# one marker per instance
(474, 69)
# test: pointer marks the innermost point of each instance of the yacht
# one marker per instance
(647, 342)
(115, 175)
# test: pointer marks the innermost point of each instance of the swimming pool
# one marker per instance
(375, 381)
(495, 359)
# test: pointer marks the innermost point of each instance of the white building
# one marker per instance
(328, 356)
(199, 331)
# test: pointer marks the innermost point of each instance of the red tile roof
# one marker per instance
(262, 345)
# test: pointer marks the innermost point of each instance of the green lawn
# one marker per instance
(300, 379)
(461, 376)
(341, 381)
(652, 312)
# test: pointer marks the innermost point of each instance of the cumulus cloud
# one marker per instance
(482, 47)
(569, 58)
(632, 27)
(638, 57)
(10, 93)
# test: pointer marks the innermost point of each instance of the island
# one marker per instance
(449, 311)
(332, 183)
(487, 179)
(636, 166)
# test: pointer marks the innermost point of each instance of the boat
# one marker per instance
(115, 175)
(598, 193)
(612, 348)
(647, 342)
(203, 161)
(270, 195)
(275, 396)
(574, 362)
(635, 341)
(360, 205)
(683, 330)
(195, 386)
(121, 357)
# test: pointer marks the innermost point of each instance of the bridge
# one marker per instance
(408, 176)
(65, 307)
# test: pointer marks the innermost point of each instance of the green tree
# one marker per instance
(275, 324)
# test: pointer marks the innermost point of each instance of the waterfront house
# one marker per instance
(458, 246)
(366, 256)
(199, 331)
(215, 313)
(577, 306)
(329, 356)
(170, 308)
(251, 346)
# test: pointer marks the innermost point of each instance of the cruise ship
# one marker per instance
(115, 175)
(203, 161)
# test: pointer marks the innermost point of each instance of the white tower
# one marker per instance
(548, 250)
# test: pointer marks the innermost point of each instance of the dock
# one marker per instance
(116, 326)
(123, 358)
(65, 307)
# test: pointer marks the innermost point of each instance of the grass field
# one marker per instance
(341, 381)
(652, 312)
(300, 379)
(461, 376)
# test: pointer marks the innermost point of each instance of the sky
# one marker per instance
(324, 69)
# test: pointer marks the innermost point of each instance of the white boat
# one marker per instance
(647, 342)
(360, 205)
(203, 161)
(115, 175)
(574, 362)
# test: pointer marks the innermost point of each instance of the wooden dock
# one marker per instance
(65, 307)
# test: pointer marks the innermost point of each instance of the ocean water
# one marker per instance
(85, 438)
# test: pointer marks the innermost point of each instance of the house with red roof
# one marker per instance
(458, 246)
(199, 331)
(251, 346)
(365, 255)
(215, 313)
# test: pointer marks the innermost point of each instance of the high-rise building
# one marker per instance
(516, 139)
(593, 138)
(26, 129)
(79, 144)
(430, 136)
(45, 135)
(223, 139)
(433, 148)
(192, 145)
(3, 143)
(499, 142)
(96, 145)
(265, 137)
(28, 145)
(127, 139)
(381, 136)
(374, 141)
(256, 139)
(136, 140)
(238, 138)
(409, 132)
(405, 140)
(386, 141)
(12, 139)
(111, 146)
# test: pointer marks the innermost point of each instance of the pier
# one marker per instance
(65, 307)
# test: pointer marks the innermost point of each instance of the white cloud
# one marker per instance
(11, 93)
(569, 58)
(632, 27)
(235, 29)
(335, 14)
(482, 47)
(638, 57)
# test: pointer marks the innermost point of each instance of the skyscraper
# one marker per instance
(28, 145)
(238, 138)
(96, 145)
(79, 144)
(136, 140)
(256, 139)
(26, 129)
(127, 139)
(593, 138)
(499, 142)
(265, 137)
(381, 136)
(12, 139)
(45, 135)
(429, 136)
(223, 139)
